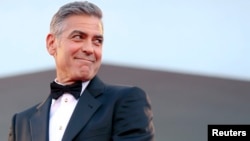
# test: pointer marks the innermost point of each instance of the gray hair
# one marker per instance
(73, 8)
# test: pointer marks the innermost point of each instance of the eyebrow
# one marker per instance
(83, 33)
(77, 32)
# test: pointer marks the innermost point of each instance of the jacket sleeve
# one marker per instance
(133, 117)
(12, 129)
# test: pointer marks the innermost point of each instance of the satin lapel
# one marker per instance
(39, 122)
(85, 108)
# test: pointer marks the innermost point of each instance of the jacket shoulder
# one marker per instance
(27, 112)
(125, 90)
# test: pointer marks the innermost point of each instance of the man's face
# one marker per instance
(78, 49)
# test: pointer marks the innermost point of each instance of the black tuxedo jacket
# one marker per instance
(103, 113)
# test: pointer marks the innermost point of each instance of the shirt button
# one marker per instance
(66, 100)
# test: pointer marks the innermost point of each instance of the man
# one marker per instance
(93, 110)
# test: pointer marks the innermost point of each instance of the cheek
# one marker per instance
(70, 46)
(98, 54)
(64, 56)
(71, 50)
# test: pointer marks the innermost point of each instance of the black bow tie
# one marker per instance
(58, 90)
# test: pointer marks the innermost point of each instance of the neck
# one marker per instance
(65, 82)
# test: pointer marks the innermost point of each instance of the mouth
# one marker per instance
(85, 59)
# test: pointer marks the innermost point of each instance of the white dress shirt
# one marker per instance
(60, 113)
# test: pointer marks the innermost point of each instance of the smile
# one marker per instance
(84, 59)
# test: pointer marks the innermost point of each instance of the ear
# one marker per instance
(51, 44)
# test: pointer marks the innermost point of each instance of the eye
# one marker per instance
(77, 37)
(98, 41)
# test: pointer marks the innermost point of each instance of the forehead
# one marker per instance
(83, 23)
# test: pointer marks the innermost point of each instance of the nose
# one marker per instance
(88, 47)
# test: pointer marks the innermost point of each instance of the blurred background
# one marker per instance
(209, 37)
(189, 55)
